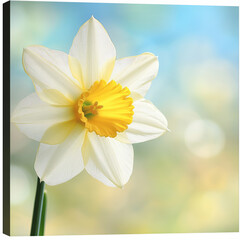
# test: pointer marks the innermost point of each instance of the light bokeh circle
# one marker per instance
(204, 138)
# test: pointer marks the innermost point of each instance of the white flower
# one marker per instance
(88, 108)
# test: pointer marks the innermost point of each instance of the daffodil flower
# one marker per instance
(88, 109)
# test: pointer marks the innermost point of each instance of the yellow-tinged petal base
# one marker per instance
(105, 108)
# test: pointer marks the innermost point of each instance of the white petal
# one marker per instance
(56, 164)
(76, 70)
(58, 132)
(49, 70)
(95, 52)
(94, 171)
(148, 123)
(136, 72)
(108, 160)
(33, 116)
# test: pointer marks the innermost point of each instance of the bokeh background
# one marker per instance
(185, 181)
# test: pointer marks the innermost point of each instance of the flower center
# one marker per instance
(105, 108)
(90, 109)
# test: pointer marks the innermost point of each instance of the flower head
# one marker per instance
(89, 108)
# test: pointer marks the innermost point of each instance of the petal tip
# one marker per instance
(118, 185)
(92, 18)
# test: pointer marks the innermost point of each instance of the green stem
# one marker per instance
(37, 210)
(43, 218)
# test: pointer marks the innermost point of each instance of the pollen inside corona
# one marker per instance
(105, 108)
